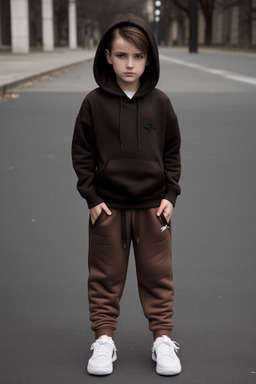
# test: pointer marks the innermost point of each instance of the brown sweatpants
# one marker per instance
(109, 245)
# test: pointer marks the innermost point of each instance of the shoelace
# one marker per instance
(166, 346)
(102, 347)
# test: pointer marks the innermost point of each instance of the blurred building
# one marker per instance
(40, 24)
(45, 24)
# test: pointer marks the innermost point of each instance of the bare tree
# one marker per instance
(94, 16)
(245, 19)
(207, 7)
(103, 12)
(61, 22)
(183, 5)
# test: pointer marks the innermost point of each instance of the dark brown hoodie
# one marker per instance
(126, 152)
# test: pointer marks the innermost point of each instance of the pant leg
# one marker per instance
(153, 257)
(108, 262)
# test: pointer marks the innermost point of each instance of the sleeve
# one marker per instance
(171, 158)
(84, 156)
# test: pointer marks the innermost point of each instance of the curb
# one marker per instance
(6, 88)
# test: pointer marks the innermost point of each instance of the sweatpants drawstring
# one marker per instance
(137, 226)
(123, 228)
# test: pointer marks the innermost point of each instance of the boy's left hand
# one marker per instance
(166, 208)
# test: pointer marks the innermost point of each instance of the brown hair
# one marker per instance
(131, 34)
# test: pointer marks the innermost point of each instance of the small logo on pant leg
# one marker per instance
(164, 227)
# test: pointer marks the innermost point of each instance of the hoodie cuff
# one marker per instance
(94, 200)
(171, 196)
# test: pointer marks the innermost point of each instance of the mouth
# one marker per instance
(129, 73)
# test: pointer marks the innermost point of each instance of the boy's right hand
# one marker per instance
(96, 211)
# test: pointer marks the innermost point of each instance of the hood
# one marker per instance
(103, 72)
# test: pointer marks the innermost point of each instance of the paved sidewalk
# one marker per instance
(16, 69)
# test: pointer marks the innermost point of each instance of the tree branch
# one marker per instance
(181, 6)
(227, 4)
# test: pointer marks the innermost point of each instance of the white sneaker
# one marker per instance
(164, 353)
(104, 354)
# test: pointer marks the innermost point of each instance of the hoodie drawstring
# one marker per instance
(138, 124)
(121, 126)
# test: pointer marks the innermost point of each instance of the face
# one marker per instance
(128, 64)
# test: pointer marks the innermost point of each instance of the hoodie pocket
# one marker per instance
(133, 178)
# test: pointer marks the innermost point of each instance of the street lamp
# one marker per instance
(193, 27)
(158, 4)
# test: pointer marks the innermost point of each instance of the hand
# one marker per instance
(166, 207)
(96, 211)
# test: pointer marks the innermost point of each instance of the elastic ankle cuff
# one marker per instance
(104, 331)
(162, 332)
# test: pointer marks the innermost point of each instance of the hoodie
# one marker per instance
(126, 152)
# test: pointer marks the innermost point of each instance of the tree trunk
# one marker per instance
(245, 9)
(207, 9)
(208, 28)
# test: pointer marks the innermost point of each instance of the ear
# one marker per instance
(108, 56)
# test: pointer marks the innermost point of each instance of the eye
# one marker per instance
(139, 56)
(120, 56)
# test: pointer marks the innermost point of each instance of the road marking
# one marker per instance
(227, 75)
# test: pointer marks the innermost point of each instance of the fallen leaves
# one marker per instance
(9, 95)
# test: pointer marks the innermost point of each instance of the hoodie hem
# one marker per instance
(131, 205)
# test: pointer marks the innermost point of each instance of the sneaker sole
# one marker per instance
(164, 372)
(104, 372)
(161, 371)
(101, 371)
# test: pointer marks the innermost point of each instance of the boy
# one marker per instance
(126, 154)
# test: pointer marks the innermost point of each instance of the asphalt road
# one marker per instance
(45, 330)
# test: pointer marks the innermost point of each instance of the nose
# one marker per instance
(129, 63)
